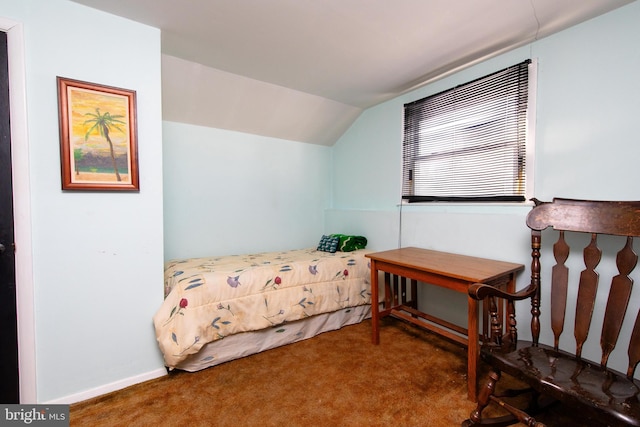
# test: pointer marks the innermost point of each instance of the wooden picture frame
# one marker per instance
(98, 136)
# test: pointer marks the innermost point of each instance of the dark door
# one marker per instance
(9, 386)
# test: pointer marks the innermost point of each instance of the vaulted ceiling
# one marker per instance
(305, 69)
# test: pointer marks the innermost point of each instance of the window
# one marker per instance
(469, 143)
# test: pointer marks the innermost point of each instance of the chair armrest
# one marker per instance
(480, 291)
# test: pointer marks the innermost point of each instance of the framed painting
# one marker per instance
(98, 137)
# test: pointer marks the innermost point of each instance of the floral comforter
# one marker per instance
(207, 299)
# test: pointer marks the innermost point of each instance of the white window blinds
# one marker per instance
(468, 143)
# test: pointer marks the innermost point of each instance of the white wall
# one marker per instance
(97, 257)
(587, 146)
(204, 96)
(230, 192)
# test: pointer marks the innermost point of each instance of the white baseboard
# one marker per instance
(107, 388)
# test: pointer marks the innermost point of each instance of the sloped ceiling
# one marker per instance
(304, 70)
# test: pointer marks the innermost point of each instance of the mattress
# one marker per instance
(208, 299)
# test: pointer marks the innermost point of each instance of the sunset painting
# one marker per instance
(97, 136)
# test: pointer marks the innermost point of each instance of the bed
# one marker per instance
(218, 309)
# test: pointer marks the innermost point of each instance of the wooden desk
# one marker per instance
(443, 269)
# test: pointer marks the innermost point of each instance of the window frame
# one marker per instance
(529, 150)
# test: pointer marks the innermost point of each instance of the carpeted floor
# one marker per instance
(413, 378)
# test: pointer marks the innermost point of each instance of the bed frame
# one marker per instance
(218, 309)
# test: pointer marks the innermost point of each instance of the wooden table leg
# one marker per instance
(472, 349)
(388, 295)
(414, 294)
(375, 331)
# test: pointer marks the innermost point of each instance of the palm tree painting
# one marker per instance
(103, 123)
(98, 136)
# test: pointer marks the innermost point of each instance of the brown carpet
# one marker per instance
(413, 378)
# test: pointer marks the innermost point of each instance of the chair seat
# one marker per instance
(569, 380)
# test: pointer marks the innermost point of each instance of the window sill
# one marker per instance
(467, 207)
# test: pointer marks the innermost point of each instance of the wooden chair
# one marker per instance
(602, 395)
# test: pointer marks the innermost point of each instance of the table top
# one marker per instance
(463, 267)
